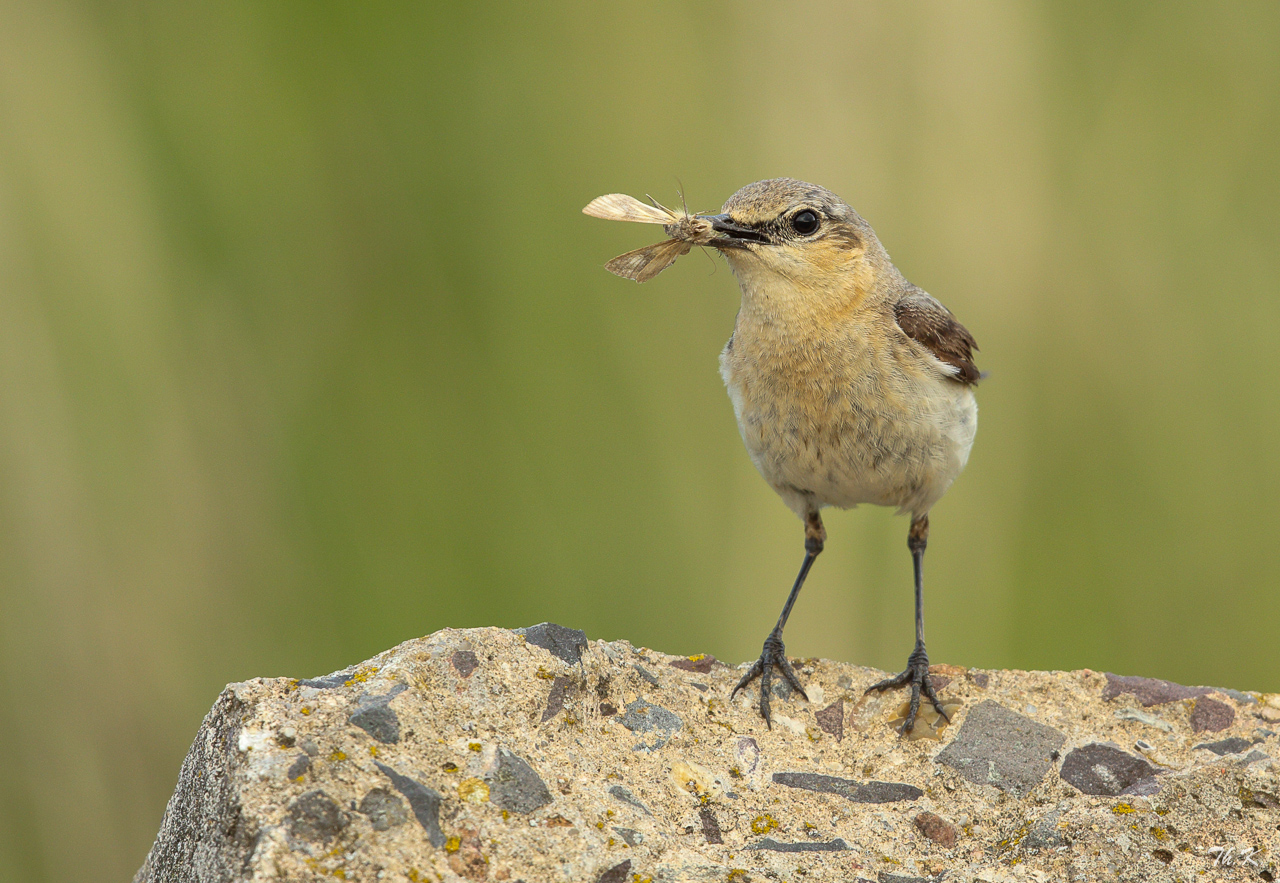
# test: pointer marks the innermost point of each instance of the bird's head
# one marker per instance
(786, 232)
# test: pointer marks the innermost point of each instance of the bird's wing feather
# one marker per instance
(931, 325)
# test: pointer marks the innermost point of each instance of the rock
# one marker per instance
(886, 877)
(831, 719)
(516, 786)
(1149, 691)
(1000, 747)
(858, 792)
(555, 699)
(1234, 745)
(425, 802)
(466, 855)
(1250, 799)
(769, 843)
(628, 798)
(379, 721)
(1045, 834)
(384, 809)
(654, 721)
(373, 714)
(710, 827)
(617, 874)
(647, 675)
(1104, 768)
(568, 644)
(465, 662)
(1211, 716)
(330, 682)
(630, 836)
(483, 754)
(937, 829)
(701, 663)
(314, 816)
(1151, 720)
(1240, 698)
(299, 768)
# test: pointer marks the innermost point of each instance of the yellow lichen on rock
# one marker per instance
(473, 790)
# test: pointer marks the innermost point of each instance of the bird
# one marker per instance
(850, 386)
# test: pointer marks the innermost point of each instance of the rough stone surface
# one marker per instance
(1043, 775)
(702, 663)
(769, 843)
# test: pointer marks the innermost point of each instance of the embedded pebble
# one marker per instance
(858, 792)
(1211, 716)
(465, 662)
(1149, 691)
(1104, 768)
(316, 816)
(566, 643)
(516, 786)
(997, 746)
(384, 809)
(831, 719)
(937, 829)
(556, 698)
(836, 845)
(645, 718)
(1234, 745)
(424, 801)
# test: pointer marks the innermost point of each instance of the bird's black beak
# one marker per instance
(734, 235)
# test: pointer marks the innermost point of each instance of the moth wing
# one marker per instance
(620, 207)
(645, 263)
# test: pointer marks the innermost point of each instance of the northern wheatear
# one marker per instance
(850, 384)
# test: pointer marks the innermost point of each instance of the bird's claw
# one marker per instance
(774, 655)
(916, 676)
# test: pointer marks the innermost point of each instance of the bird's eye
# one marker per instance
(805, 222)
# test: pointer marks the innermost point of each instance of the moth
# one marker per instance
(643, 264)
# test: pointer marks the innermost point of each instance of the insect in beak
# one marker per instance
(734, 235)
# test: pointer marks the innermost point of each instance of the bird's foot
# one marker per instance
(917, 676)
(773, 656)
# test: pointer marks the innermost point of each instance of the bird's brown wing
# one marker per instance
(931, 325)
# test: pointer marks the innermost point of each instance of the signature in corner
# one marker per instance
(1228, 856)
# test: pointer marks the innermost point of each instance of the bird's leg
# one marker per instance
(774, 653)
(917, 671)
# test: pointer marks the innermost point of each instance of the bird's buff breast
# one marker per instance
(849, 421)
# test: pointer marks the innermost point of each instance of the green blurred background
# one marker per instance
(306, 349)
